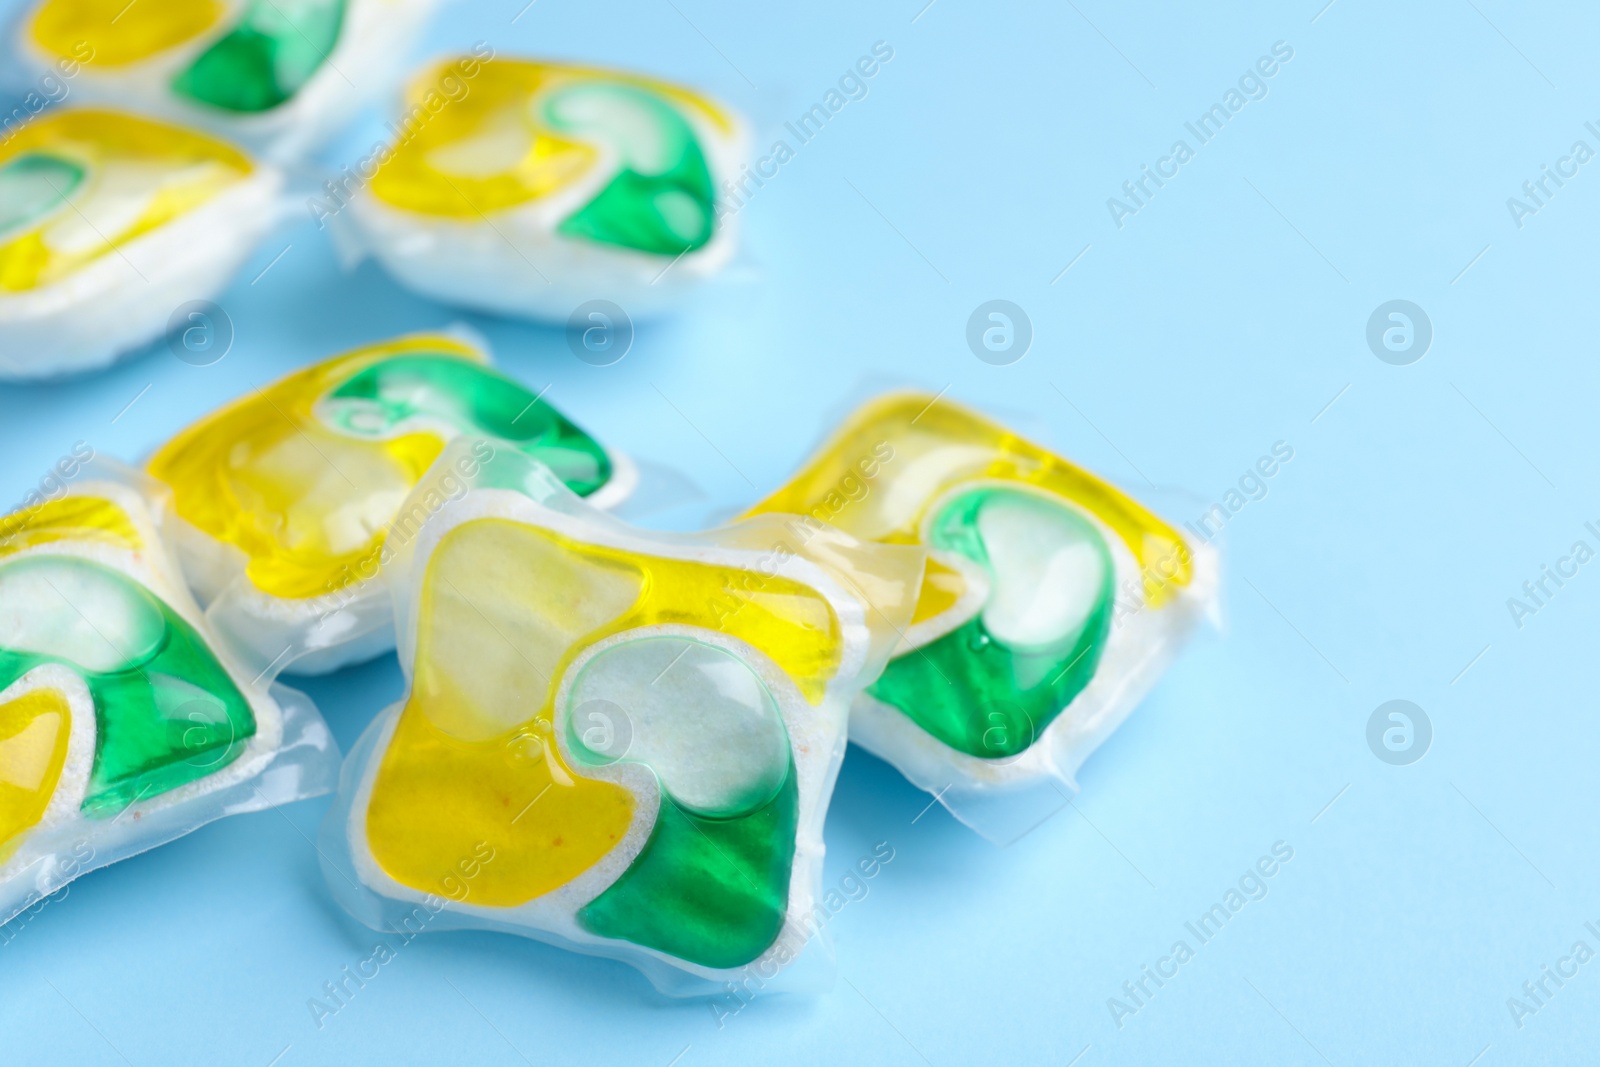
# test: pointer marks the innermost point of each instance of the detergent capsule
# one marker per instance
(617, 741)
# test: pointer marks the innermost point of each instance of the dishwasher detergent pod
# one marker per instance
(124, 721)
(288, 498)
(616, 741)
(536, 187)
(1050, 603)
(277, 75)
(108, 224)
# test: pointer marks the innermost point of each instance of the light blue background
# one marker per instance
(1222, 318)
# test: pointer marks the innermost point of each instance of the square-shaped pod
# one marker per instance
(125, 721)
(288, 500)
(1051, 602)
(112, 228)
(616, 741)
(276, 75)
(530, 188)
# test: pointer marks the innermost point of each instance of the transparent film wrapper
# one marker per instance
(655, 704)
(285, 497)
(198, 64)
(627, 205)
(116, 269)
(1052, 602)
(125, 722)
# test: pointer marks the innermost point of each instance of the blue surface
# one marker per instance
(1228, 314)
